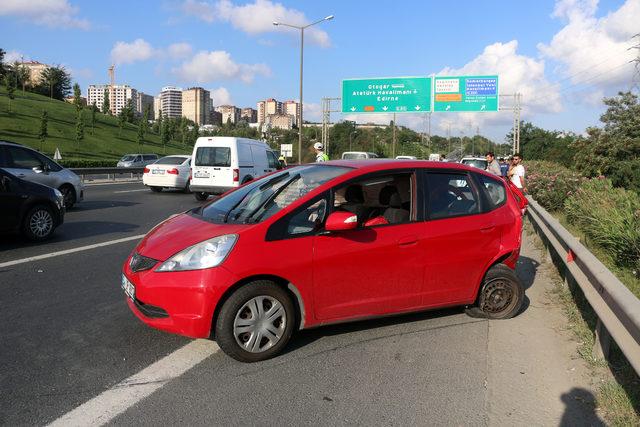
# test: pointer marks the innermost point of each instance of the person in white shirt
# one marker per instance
(516, 173)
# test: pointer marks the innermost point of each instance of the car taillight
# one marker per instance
(236, 175)
(146, 169)
(173, 171)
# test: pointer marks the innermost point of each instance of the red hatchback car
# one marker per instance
(325, 243)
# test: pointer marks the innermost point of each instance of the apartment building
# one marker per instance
(195, 105)
(230, 113)
(171, 101)
(249, 115)
(118, 99)
(267, 107)
(142, 102)
(35, 71)
(280, 121)
(293, 109)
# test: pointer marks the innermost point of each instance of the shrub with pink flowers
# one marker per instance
(551, 183)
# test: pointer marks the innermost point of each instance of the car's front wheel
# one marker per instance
(256, 322)
(38, 224)
(201, 196)
(69, 195)
(501, 295)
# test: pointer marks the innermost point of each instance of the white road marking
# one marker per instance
(131, 191)
(97, 184)
(113, 402)
(70, 251)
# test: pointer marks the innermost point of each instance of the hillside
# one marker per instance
(22, 125)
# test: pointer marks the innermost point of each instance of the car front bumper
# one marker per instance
(181, 302)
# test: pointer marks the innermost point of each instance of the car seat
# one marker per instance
(394, 213)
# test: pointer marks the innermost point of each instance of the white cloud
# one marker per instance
(179, 50)
(207, 66)
(592, 50)
(221, 96)
(127, 53)
(51, 13)
(254, 18)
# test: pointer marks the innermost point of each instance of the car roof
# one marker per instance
(373, 165)
(473, 158)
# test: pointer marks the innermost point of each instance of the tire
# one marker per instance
(187, 187)
(156, 189)
(69, 195)
(241, 311)
(501, 295)
(38, 224)
(201, 196)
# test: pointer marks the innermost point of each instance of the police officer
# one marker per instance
(320, 154)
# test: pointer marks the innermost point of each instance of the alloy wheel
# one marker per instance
(41, 223)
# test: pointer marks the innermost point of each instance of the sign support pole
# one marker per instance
(393, 146)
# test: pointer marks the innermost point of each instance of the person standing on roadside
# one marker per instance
(492, 164)
(504, 167)
(321, 156)
(516, 173)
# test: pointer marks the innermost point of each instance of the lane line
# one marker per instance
(131, 191)
(113, 402)
(99, 184)
(70, 251)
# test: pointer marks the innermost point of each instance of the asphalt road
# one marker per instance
(68, 338)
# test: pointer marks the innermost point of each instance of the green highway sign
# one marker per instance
(387, 95)
(465, 93)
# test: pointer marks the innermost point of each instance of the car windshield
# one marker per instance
(260, 199)
(171, 160)
(481, 164)
(127, 158)
(354, 156)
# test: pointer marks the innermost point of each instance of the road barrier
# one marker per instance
(111, 173)
(618, 310)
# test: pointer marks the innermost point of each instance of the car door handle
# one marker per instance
(487, 229)
(21, 175)
(408, 241)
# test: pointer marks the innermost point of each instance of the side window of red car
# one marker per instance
(494, 191)
(450, 194)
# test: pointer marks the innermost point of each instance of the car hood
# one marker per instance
(179, 232)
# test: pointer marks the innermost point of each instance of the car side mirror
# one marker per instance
(38, 169)
(341, 221)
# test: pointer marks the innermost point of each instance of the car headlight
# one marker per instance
(207, 254)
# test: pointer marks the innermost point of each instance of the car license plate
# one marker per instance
(201, 174)
(158, 171)
(128, 287)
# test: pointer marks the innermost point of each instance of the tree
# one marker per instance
(55, 82)
(106, 108)
(22, 75)
(129, 112)
(614, 150)
(79, 126)
(157, 126)
(541, 144)
(44, 123)
(77, 101)
(195, 133)
(145, 117)
(140, 135)
(9, 82)
(93, 109)
(121, 120)
(164, 134)
(2, 67)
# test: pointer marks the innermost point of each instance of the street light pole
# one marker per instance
(302, 28)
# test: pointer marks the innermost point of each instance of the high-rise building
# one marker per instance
(142, 102)
(292, 108)
(121, 96)
(215, 117)
(35, 71)
(195, 105)
(281, 121)
(249, 115)
(157, 107)
(171, 101)
(266, 107)
(230, 113)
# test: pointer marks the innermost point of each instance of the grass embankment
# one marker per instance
(105, 143)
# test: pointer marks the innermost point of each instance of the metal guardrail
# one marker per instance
(110, 172)
(618, 310)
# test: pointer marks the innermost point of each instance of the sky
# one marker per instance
(564, 56)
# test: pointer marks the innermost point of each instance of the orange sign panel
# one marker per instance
(449, 97)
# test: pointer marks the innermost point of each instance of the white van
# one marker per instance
(358, 155)
(221, 163)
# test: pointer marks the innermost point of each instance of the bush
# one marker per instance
(551, 183)
(610, 217)
(84, 163)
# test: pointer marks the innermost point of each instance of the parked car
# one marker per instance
(329, 242)
(477, 162)
(168, 172)
(136, 160)
(33, 166)
(358, 155)
(222, 163)
(406, 158)
(29, 208)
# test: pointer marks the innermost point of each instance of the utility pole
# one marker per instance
(635, 83)
(393, 142)
(449, 137)
(326, 120)
(429, 131)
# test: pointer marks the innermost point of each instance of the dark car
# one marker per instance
(32, 209)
